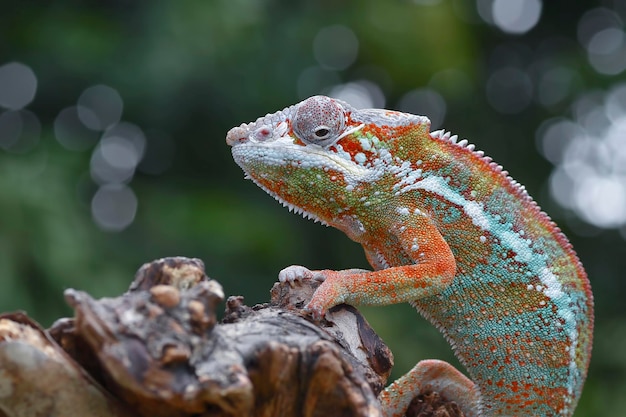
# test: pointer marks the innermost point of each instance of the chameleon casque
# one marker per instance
(445, 229)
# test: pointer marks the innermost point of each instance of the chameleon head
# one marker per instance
(321, 156)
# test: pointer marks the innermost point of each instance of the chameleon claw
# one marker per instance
(315, 312)
(294, 273)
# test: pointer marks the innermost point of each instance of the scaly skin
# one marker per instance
(448, 231)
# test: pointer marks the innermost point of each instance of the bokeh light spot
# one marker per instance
(71, 133)
(606, 41)
(130, 131)
(116, 157)
(590, 157)
(616, 103)
(314, 80)
(594, 21)
(100, 107)
(516, 16)
(484, 8)
(607, 51)
(561, 186)
(425, 102)
(119, 153)
(601, 32)
(607, 196)
(335, 47)
(554, 135)
(18, 85)
(10, 129)
(555, 85)
(589, 112)
(102, 171)
(114, 207)
(615, 141)
(362, 94)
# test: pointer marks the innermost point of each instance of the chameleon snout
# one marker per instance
(243, 134)
(237, 135)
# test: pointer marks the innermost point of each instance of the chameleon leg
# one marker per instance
(427, 268)
(431, 375)
(360, 287)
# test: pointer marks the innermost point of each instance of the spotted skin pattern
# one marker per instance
(446, 230)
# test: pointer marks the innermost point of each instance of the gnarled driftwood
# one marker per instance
(158, 350)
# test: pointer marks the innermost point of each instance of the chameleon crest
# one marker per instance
(446, 230)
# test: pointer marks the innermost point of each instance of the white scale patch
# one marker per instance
(366, 144)
(439, 186)
(407, 176)
(343, 154)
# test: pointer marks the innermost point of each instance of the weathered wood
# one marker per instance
(37, 378)
(160, 350)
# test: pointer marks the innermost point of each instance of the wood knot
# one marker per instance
(165, 295)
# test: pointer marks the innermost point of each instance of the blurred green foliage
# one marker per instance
(189, 71)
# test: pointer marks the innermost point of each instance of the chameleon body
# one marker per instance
(445, 229)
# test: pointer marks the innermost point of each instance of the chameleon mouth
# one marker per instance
(249, 154)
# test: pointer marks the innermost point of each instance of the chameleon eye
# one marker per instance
(319, 120)
(322, 132)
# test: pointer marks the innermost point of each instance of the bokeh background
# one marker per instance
(113, 117)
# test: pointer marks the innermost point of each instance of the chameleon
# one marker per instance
(445, 229)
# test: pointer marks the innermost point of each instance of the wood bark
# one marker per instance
(159, 350)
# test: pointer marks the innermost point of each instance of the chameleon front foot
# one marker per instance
(295, 273)
(337, 286)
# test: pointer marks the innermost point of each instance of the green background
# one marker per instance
(188, 71)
